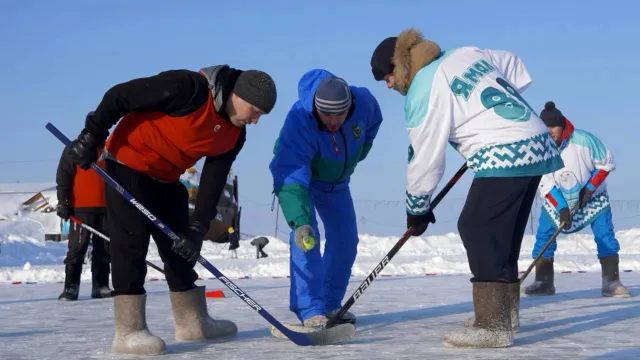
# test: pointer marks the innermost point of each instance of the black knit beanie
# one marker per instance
(551, 116)
(257, 88)
(381, 63)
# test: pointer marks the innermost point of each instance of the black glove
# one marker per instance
(565, 216)
(84, 149)
(585, 196)
(190, 242)
(419, 223)
(63, 211)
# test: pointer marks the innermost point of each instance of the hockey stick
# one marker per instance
(378, 269)
(320, 337)
(546, 246)
(77, 221)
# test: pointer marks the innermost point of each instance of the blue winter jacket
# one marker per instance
(307, 152)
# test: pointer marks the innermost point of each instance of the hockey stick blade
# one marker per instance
(300, 339)
(323, 335)
(336, 319)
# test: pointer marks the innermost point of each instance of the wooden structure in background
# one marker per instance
(37, 202)
(226, 226)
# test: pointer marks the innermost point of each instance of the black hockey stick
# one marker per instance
(77, 221)
(336, 319)
(320, 337)
(551, 239)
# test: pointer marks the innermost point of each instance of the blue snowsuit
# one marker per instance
(311, 171)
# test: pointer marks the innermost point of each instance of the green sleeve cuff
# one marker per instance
(294, 201)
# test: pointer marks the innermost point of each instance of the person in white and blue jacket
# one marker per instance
(471, 99)
(587, 162)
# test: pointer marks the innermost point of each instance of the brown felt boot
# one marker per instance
(492, 325)
(132, 335)
(514, 306)
(192, 320)
(543, 284)
(611, 285)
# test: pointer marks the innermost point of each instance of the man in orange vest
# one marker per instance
(81, 194)
(165, 124)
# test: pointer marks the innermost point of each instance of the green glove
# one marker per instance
(304, 238)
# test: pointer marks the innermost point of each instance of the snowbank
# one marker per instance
(25, 257)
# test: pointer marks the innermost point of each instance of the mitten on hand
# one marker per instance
(304, 237)
(419, 223)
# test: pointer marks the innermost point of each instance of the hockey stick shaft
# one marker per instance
(381, 265)
(298, 338)
(77, 221)
(546, 246)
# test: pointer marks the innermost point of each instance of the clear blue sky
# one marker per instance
(59, 57)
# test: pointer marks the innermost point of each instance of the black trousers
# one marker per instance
(492, 224)
(131, 230)
(79, 239)
(260, 251)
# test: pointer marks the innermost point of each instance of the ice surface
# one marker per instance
(398, 318)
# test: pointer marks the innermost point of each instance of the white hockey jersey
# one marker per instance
(587, 162)
(470, 98)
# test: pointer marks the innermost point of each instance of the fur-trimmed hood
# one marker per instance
(412, 52)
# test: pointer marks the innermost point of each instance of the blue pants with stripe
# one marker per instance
(319, 281)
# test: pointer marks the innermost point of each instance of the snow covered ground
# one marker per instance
(25, 257)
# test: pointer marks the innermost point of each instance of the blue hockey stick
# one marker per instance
(321, 337)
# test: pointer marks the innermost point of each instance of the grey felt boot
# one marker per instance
(192, 320)
(132, 335)
(543, 284)
(315, 321)
(611, 285)
(514, 307)
(492, 325)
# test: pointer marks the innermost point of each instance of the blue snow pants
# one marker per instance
(319, 282)
(602, 228)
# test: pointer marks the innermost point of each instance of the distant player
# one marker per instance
(588, 162)
(81, 194)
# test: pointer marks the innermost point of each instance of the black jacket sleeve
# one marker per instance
(212, 182)
(64, 177)
(174, 92)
